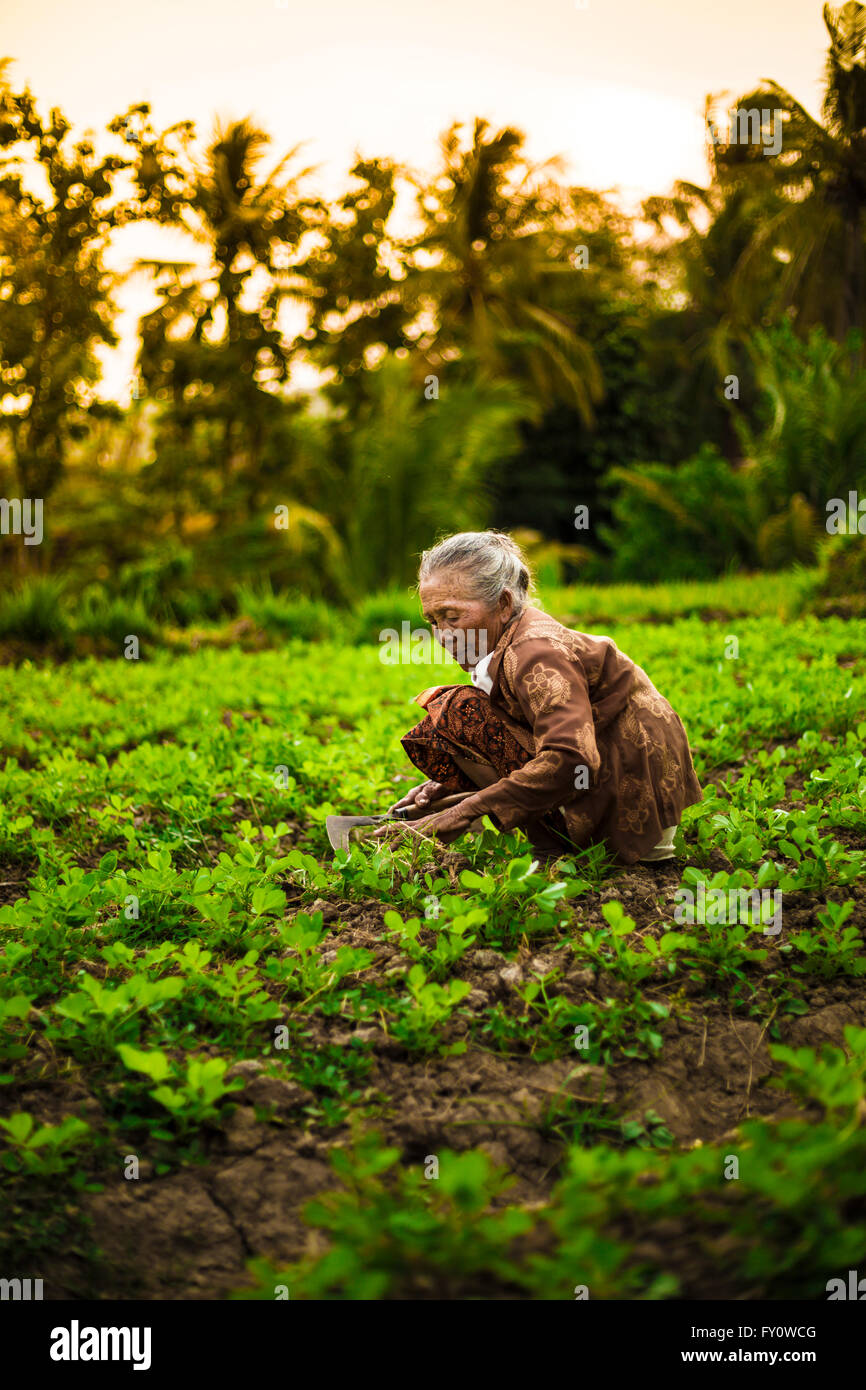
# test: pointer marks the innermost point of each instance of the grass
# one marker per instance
(39, 619)
(755, 595)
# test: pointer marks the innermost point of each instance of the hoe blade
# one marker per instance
(339, 828)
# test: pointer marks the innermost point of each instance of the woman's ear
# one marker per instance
(506, 604)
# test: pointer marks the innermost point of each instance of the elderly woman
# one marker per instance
(560, 733)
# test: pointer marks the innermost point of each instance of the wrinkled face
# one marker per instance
(466, 628)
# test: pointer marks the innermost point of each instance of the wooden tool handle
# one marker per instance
(416, 812)
(453, 800)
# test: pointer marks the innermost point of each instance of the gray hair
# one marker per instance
(491, 561)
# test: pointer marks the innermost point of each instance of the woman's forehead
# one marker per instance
(439, 589)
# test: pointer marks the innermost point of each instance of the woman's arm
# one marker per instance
(553, 693)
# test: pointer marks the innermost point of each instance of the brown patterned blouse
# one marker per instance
(608, 749)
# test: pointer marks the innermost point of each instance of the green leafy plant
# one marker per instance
(417, 1018)
(41, 1150)
(393, 1233)
(192, 1095)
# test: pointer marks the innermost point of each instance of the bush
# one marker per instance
(288, 615)
(690, 521)
(843, 576)
(156, 579)
(813, 419)
(378, 612)
(33, 612)
(103, 615)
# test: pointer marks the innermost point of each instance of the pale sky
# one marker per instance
(615, 86)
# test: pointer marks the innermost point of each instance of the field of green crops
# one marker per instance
(234, 1064)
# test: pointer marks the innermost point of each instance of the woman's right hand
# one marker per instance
(421, 796)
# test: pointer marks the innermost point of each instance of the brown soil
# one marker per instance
(189, 1234)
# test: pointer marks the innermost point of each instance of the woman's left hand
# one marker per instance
(446, 825)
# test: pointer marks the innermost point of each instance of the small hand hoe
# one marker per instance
(339, 828)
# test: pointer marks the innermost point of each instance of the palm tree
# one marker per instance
(701, 335)
(207, 346)
(478, 272)
(416, 469)
(817, 231)
(57, 297)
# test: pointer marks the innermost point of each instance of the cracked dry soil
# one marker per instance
(189, 1234)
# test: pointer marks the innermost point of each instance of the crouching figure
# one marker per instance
(559, 733)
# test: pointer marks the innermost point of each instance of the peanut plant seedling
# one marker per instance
(190, 1094)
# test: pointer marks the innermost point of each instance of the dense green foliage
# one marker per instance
(520, 352)
(162, 831)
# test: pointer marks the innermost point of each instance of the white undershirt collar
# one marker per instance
(479, 676)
